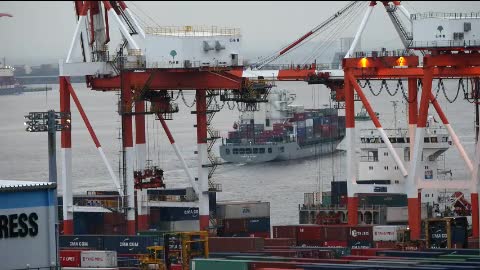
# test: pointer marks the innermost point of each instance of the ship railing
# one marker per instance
(169, 198)
(382, 53)
(249, 144)
(105, 201)
(314, 207)
(445, 15)
(192, 31)
(317, 66)
(445, 44)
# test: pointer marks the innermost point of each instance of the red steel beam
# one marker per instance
(173, 79)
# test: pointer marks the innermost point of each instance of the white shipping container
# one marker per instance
(235, 210)
(400, 214)
(98, 258)
(386, 233)
(309, 122)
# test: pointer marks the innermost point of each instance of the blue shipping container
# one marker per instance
(258, 224)
(130, 244)
(178, 213)
(81, 241)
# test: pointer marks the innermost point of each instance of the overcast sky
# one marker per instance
(40, 32)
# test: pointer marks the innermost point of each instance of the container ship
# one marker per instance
(10, 86)
(283, 131)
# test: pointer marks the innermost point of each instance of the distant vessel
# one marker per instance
(10, 86)
(363, 115)
(283, 131)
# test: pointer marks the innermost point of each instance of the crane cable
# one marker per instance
(329, 28)
(332, 32)
(343, 24)
(326, 24)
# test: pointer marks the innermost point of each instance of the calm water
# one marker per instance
(24, 155)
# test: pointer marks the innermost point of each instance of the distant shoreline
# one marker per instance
(26, 80)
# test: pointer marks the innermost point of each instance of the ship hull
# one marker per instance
(273, 152)
(20, 90)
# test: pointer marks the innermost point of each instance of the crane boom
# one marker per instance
(327, 22)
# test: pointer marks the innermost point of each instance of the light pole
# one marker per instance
(50, 122)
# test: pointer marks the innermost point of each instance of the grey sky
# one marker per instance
(41, 32)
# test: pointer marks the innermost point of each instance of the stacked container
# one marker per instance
(244, 218)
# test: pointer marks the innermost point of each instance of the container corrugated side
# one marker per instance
(98, 258)
(243, 210)
(386, 232)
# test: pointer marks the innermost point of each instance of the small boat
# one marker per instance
(363, 115)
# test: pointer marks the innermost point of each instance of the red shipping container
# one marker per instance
(360, 233)
(265, 235)
(336, 233)
(280, 242)
(176, 267)
(286, 231)
(335, 243)
(235, 244)
(310, 232)
(70, 258)
(235, 225)
(385, 244)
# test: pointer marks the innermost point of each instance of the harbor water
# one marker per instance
(282, 183)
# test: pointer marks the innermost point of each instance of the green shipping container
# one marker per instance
(326, 200)
(219, 264)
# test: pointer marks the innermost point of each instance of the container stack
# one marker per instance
(239, 219)
(338, 235)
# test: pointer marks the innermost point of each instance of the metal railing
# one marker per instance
(304, 207)
(445, 44)
(445, 15)
(192, 31)
(382, 53)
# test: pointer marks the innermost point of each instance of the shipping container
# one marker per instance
(176, 226)
(386, 232)
(235, 244)
(234, 225)
(280, 242)
(70, 258)
(397, 215)
(360, 233)
(390, 200)
(336, 232)
(175, 213)
(385, 244)
(359, 244)
(87, 223)
(130, 244)
(81, 241)
(335, 243)
(310, 232)
(284, 231)
(96, 258)
(258, 224)
(236, 210)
